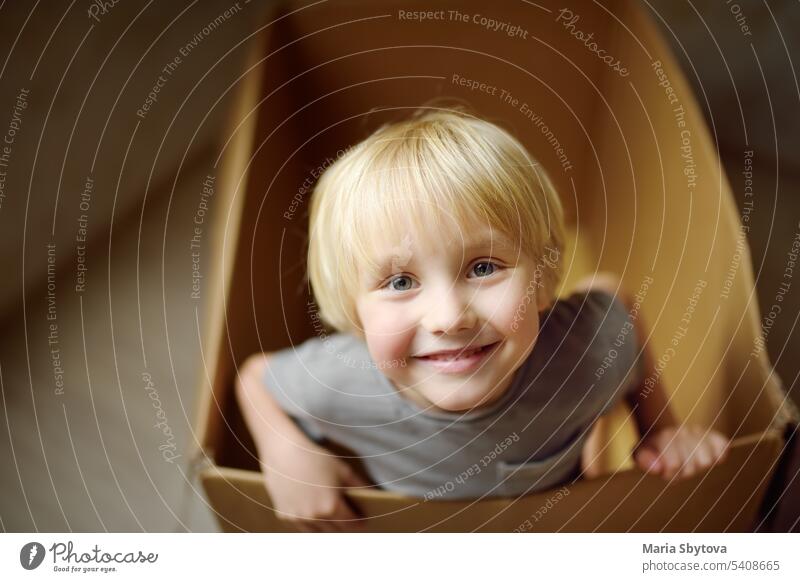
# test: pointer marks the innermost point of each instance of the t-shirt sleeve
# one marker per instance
(620, 363)
(293, 379)
(615, 364)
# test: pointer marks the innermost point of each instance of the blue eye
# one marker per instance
(401, 278)
(405, 283)
(487, 268)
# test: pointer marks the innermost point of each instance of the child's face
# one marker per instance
(446, 292)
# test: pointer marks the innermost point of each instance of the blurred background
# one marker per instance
(113, 116)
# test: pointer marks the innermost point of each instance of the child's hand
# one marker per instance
(680, 451)
(305, 486)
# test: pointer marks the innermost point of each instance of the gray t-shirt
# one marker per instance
(585, 359)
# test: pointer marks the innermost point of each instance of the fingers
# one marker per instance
(689, 448)
(292, 522)
(701, 459)
(682, 452)
(671, 461)
(711, 448)
(330, 515)
(295, 522)
(647, 460)
(719, 446)
(341, 520)
(319, 508)
(349, 478)
(325, 526)
(346, 519)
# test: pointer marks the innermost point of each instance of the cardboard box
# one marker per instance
(623, 139)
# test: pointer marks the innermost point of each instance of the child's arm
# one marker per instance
(303, 479)
(667, 448)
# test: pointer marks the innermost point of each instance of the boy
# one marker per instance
(434, 251)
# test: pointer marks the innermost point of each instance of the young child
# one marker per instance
(435, 252)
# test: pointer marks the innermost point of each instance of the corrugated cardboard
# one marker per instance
(324, 76)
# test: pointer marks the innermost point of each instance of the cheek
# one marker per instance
(512, 308)
(388, 334)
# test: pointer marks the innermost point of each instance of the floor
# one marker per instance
(101, 455)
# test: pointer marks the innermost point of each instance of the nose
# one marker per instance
(449, 312)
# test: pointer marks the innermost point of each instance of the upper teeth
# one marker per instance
(455, 355)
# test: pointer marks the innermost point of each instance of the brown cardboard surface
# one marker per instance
(625, 501)
(630, 211)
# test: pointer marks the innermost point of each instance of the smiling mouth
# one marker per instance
(459, 355)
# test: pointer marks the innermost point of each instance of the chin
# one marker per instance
(460, 399)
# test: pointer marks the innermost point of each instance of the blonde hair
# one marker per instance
(437, 162)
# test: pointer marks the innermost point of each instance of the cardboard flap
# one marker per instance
(725, 498)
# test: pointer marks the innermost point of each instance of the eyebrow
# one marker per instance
(498, 244)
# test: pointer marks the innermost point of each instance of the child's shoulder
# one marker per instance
(584, 324)
(598, 297)
(597, 306)
(588, 339)
(333, 360)
(318, 350)
(328, 377)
